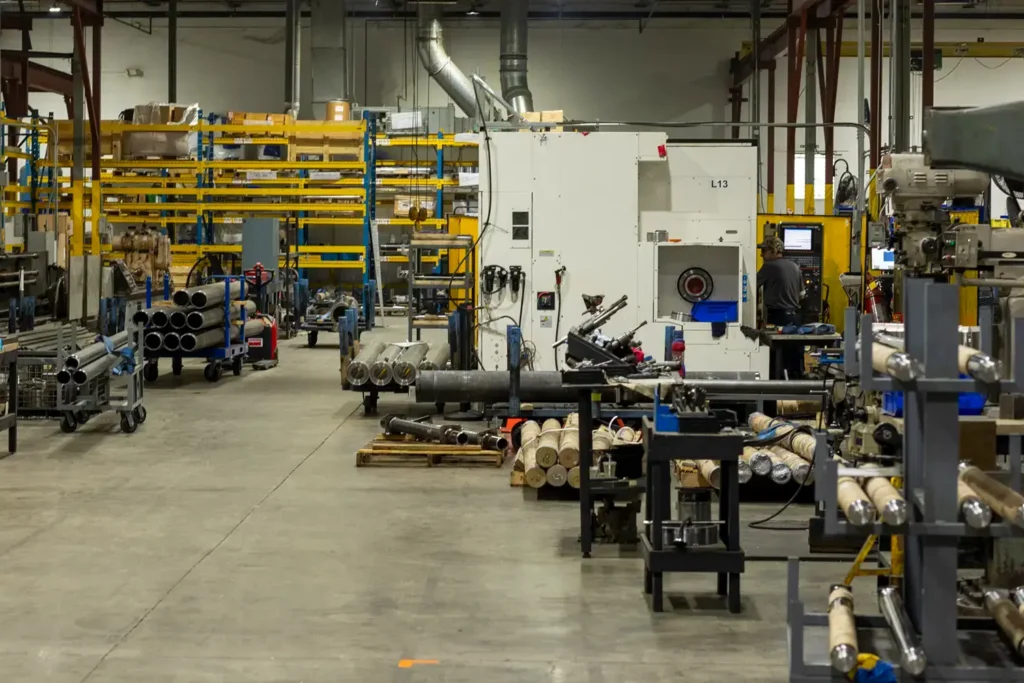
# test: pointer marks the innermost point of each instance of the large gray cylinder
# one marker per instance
(490, 386)
(382, 371)
(142, 316)
(179, 320)
(195, 341)
(201, 320)
(94, 351)
(172, 341)
(359, 369)
(97, 368)
(407, 366)
(206, 295)
(437, 357)
(154, 341)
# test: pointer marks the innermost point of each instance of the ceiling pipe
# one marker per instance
(437, 62)
(514, 85)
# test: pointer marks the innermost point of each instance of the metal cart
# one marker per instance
(219, 358)
(122, 394)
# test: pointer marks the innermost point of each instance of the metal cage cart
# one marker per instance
(105, 392)
(230, 355)
(952, 646)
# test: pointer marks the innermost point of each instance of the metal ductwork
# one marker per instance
(514, 86)
(437, 62)
(328, 38)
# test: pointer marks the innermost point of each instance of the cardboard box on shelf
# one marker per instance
(338, 110)
(244, 118)
(404, 202)
(553, 116)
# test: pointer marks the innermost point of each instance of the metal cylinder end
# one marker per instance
(860, 513)
(913, 661)
(743, 472)
(181, 298)
(461, 438)
(385, 421)
(171, 341)
(801, 473)
(983, 368)
(161, 319)
(1019, 517)
(198, 300)
(1017, 595)
(141, 317)
(963, 466)
(844, 658)
(901, 367)
(64, 376)
(187, 342)
(976, 514)
(781, 474)
(154, 341)
(80, 377)
(895, 512)
(760, 464)
(194, 320)
(358, 374)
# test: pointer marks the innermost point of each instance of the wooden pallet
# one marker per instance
(392, 451)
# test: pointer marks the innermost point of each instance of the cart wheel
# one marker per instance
(128, 423)
(68, 423)
(311, 338)
(81, 417)
(140, 414)
(150, 371)
(236, 366)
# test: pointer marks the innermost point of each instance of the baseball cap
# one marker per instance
(772, 243)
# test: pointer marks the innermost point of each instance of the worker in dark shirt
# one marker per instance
(781, 285)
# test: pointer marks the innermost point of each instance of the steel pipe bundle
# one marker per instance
(800, 443)
(179, 320)
(491, 386)
(891, 505)
(842, 629)
(406, 366)
(142, 316)
(912, 658)
(382, 371)
(1008, 617)
(488, 440)
(94, 351)
(436, 358)
(87, 373)
(207, 295)
(1003, 500)
(854, 502)
(161, 315)
(194, 341)
(210, 317)
(759, 461)
(358, 372)
(976, 513)
(800, 468)
(450, 434)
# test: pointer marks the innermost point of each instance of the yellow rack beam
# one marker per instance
(422, 142)
(249, 140)
(234, 206)
(406, 221)
(227, 220)
(234, 191)
(326, 128)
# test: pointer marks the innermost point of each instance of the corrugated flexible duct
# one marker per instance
(437, 62)
(514, 86)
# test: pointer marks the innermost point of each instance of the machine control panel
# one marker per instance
(803, 244)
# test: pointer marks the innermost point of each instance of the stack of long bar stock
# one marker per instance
(550, 452)
(381, 364)
(94, 360)
(194, 319)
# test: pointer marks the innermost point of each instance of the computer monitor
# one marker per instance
(883, 259)
(797, 239)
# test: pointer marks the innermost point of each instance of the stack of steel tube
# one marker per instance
(195, 321)
(381, 364)
(94, 360)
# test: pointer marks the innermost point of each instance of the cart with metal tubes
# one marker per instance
(107, 392)
(230, 355)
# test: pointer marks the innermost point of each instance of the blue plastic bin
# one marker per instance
(970, 403)
(715, 312)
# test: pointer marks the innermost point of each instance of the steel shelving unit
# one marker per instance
(957, 648)
(420, 282)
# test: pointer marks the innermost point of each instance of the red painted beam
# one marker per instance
(775, 44)
(91, 10)
(39, 78)
(94, 115)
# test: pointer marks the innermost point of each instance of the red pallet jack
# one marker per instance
(262, 352)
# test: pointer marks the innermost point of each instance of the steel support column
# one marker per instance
(928, 57)
(794, 56)
(810, 117)
(875, 124)
(97, 89)
(172, 51)
(290, 20)
(829, 94)
(736, 102)
(755, 89)
(770, 180)
(899, 76)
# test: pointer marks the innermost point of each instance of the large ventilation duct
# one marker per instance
(439, 64)
(514, 87)
(328, 38)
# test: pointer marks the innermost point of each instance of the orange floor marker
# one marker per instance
(410, 663)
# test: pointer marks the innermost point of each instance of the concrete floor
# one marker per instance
(232, 539)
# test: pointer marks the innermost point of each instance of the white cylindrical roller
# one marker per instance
(534, 474)
(760, 461)
(780, 474)
(557, 475)
(854, 502)
(602, 439)
(574, 477)
(569, 442)
(842, 630)
(743, 472)
(976, 513)
(547, 444)
(800, 468)
(887, 500)
(1003, 500)
(711, 471)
